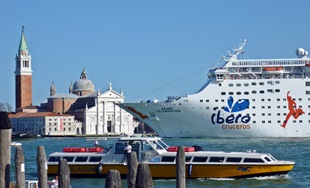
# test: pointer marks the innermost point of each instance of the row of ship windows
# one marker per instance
(294, 121)
(263, 107)
(253, 92)
(278, 99)
(253, 84)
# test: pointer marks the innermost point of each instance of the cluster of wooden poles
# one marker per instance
(138, 175)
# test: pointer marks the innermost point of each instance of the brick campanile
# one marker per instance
(23, 75)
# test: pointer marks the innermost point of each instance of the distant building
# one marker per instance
(81, 111)
(45, 123)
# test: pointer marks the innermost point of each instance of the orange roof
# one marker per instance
(37, 114)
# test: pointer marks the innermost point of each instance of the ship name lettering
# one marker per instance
(217, 119)
(82, 169)
(163, 110)
(239, 126)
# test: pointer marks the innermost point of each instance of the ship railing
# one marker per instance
(272, 62)
(252, 77)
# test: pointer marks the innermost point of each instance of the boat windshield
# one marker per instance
(158, 144)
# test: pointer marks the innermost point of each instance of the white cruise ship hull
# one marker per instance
(201, 114)
(239, 100)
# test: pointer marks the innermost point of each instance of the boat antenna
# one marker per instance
(238, 50)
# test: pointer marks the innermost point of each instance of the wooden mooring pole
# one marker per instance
(144, 177)
(20, 167)
(132, 169)
(113, 179)
(180, 169)
(64, 174)
(5, 149)
(42, 167)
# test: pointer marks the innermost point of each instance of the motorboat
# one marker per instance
(161, 159)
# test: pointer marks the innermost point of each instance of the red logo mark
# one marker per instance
(293, 110)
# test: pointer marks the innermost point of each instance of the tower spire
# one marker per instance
(23, 43)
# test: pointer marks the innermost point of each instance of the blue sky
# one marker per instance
(150, 49)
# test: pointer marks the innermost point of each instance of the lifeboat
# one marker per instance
(307, 67)
(175, 149)
(273, 70)
(96, 149)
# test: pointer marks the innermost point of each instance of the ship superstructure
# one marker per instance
(242, 98)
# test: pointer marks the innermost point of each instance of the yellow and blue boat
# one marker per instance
(161, 159)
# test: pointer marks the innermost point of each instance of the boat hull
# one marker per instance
(168, 171)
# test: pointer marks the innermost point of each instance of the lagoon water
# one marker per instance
(294, 149)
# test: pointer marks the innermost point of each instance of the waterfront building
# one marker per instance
(45, 123)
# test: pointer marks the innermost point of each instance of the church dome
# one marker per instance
(83, 84)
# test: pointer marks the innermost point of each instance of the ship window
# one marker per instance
(278, 114)
(253, 160)
(277, 82)
(253, 114)
(54, 159)
(223, 93)
(267, 159)
(284, 106)
(278, 99)
(263, 121)
(246, 93)
(284, 114)
(200, 159)
(216, 100)
(81, 159)
(238, 93)
(207, 100)
(230, 85)
(254, 121)
(167, 159)
(300, 99)
(300, 121)
(69, 159)
(277, 90)
(234, 159)
(269, 99)
(253, 83)
(270, 91)
(294, 121)
(279, 121)
(254, 92)
(263, 114)
(261, 91)
(269, 107)
(201, 100)
(188, 159)
(307, 83)
(231, 93)
(253, 99)
(238, 85)
(269, 121)
(270, 82)
(263, 99)
(253, 107)
(207, 107)
(261, 83)
(284, 99)
(263, 107)
(246, 84)
(95, 159)
(216, 159)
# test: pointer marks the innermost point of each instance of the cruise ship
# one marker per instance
(241, 98)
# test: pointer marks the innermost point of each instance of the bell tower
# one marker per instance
(23, 75)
